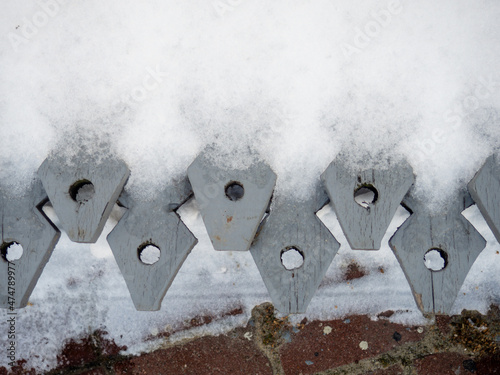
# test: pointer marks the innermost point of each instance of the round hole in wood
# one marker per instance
(11, 251)
(365, 195)
(436, 259)
(234, 191)
(82, 191)
(148, 253)
(292, 258)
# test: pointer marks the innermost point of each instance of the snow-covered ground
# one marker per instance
(294, 82)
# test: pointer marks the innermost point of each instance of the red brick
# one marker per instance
(108, 347)
(207, 355)
(489, 365)
(77, 353)
(442, 364)
(386, 314)
(124, 367)
(394, 370)
(18, 369)
(341, 346)
(354, 271)
(96, 371)
(443, 323)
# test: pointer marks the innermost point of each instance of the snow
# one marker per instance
(434, 260)
(292, 259)
(13, 252)
(365, 196)
(150, 254)
(292, 83)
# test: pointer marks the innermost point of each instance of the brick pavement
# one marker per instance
(457, 345)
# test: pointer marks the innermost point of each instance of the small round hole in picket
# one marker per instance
(365, 195)
(234, 191)
(436, 259)
(148, 253)
(11, 251)
(82, 191)
(292, 258)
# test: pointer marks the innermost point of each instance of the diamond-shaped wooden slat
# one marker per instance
(231, 224)
(364, 227)
(24, 223)
(152, 223)
(485, 190)
(294, 224)
(83, 220)
(436, 291)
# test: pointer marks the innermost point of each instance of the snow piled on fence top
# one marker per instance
(294, 82)
(291, 82)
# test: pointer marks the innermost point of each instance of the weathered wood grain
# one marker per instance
(364, 227)
(24, 222)
(83, 221)
(485, 190)
(152, 222)
(436, 291)
(231, 224)
(293, 223)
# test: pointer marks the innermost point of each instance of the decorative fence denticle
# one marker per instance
(150, 242)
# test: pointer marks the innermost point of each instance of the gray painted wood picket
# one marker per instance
(241, 214)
